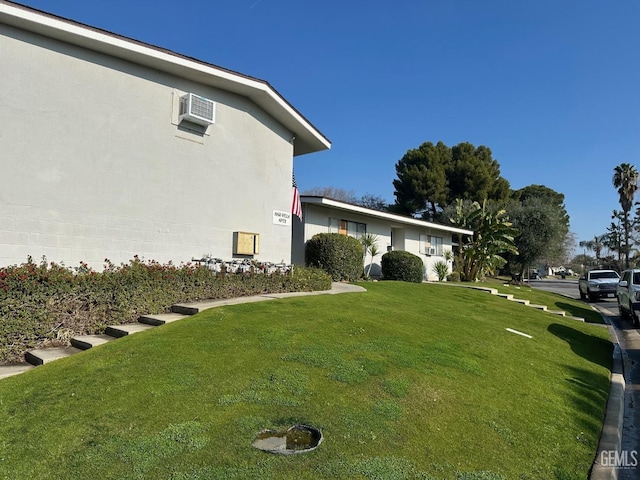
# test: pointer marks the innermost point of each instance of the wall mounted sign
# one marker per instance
(281, 218)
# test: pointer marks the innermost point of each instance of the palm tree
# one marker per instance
(594, 245)
(625, 179)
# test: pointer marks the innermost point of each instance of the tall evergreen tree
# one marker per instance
(474, 174)
(434, 176)
(421, 186)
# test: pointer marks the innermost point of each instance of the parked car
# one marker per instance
(628, 294)
(598, 283)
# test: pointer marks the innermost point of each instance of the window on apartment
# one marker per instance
(431, 245)
(347, 227)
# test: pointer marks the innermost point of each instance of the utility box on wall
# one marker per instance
(245, 243)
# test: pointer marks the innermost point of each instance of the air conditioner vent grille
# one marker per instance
(202, 108)
(196, 109)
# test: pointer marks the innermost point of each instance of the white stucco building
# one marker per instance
(98, 160)
(427, 240)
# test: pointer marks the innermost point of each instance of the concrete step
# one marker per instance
(45, 355)
(562, 313)
(118, 331)
(85, 342)
(508, 296)
(193, 308)
(11, 370)
(518, 300)
(492, 291)
(539, 307)
(161, 318)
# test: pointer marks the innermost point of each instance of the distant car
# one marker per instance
(563, 272)
(598, 283)
(628, 294)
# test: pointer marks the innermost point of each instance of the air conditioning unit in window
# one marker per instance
(196, 109)
(431, 251)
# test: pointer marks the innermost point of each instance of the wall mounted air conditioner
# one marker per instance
(431, 251)
(196, 109)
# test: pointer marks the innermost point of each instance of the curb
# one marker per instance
(611, 437)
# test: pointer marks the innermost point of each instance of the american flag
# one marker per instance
(296, 205)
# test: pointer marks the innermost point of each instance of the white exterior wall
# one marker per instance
(94, 165)
(316, 220)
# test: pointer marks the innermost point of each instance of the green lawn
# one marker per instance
(405, 381)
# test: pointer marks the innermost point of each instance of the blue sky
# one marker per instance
(552, 87)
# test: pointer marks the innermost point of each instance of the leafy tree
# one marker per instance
(545, 194)
(625, 179)
(368, 200)
(580, 263)
(555, 201)
(537, 228)
(475, 175)
(334, 193)
(492, 238)
(612, 240)
(374, 202)
(542, 221)
(421, 186)
(434, 176)
(569, 246)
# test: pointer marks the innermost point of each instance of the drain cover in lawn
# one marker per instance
(296, 439)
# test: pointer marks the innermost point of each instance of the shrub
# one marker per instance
(309, 279)
(339, 255)
(454, 277)
(400, 265)
(441, 269)
(47, 304)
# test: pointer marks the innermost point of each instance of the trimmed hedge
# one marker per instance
(46, 304)
(341, 256)
(400, 265)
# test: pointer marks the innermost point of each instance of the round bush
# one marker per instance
(405, 266)
(454, 277)
(339, 255)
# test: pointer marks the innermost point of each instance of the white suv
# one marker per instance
(628, 294)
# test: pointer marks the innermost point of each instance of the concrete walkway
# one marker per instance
(42, 356)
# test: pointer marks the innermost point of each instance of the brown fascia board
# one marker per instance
(308, 139)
